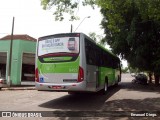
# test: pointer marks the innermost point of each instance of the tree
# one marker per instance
(132, 30)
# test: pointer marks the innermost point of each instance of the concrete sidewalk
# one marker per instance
(25, 85)
(20, 88)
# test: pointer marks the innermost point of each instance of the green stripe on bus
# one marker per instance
(62, 67)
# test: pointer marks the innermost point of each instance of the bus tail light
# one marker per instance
(80, 74)
(36, 75)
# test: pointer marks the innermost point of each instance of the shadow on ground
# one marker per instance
(82, 102)
(130, 86)
(138, 87)
(113, 110)
(148, 104)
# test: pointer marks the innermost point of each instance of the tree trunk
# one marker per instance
(157, 79)
(150, 77)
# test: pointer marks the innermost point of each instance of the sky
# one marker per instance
(31, 19)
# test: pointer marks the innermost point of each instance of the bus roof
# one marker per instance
(59, 34)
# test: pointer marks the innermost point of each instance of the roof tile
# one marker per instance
(19, 37)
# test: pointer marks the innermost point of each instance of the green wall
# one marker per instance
(19, 47)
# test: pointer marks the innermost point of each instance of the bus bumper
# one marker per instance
(61, 87)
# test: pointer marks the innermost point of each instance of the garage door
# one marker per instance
(28, 68)
(28, 58)
(3, 57)
(3, 60)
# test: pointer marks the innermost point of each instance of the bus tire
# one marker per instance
(71, 93)
(105, 89)
(119, 78)
(116, 84)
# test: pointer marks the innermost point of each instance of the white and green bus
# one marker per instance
(73, 62)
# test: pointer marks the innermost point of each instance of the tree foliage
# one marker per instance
(97, 38)
(132, 29)
(66, 6)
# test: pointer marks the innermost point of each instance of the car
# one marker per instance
(133, 74)
(3, 83)
(141, 79)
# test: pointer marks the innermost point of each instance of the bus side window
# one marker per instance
(90, 52)
(92, 55)
(103, 59)
(98, 57)
(87, 51)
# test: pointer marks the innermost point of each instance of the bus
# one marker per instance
(73, 62)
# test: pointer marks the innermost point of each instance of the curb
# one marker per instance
(19, 88)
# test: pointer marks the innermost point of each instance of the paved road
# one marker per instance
(126, 97)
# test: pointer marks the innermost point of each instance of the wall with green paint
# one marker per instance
(19, 47)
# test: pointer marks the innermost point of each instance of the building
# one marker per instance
(23, 58)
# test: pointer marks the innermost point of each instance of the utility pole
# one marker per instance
(71, 28)
(10, 56)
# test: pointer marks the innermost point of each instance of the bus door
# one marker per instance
(97, 77)
(92, 76)
(98, 59)
(92, 68)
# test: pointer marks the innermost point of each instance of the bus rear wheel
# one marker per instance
(116, 84)
(71, 93)
(105, 89)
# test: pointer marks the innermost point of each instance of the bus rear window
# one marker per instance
(58, 45)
